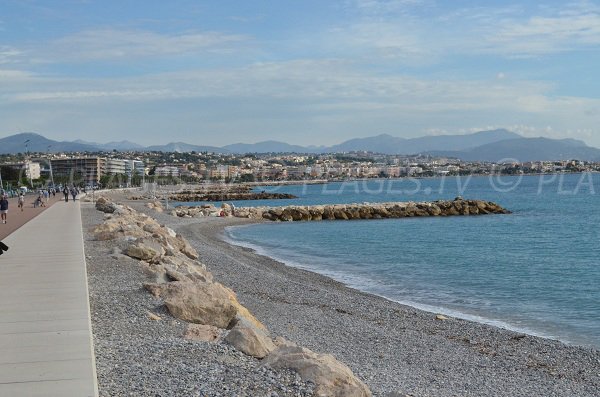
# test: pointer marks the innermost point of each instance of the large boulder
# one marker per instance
(146, 249)
(191, 269)
(200, 303)
(105, 231)
(248, 339)
(105, 205)
(242, 312)
(185, 247)
(331, 377)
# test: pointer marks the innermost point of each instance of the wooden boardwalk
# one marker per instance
(45, 331)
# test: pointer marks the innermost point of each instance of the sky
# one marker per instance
(304, 72)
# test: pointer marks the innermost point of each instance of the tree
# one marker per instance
(247, 178)
(10, 173)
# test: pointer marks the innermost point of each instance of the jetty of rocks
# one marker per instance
(215, 192)
(454, 207)
(229, 196)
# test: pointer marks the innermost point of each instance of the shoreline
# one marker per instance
(497, 323)
(394, 348)
(312, 309)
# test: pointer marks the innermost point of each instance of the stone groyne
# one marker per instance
(230, 196)
(454, 207)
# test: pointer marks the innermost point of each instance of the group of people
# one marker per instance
(73, 191)
(41, 200)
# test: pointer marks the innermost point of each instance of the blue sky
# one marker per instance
(304, 72)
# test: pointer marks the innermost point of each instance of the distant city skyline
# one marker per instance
(310, 72)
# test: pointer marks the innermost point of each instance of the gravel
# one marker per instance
(396, 350)
(136, 356)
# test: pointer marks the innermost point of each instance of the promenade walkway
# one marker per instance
(45, 331)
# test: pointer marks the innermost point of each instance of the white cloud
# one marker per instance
(386, 6)
(422, 31)
(111, 44)
(11, 76)
(544, 35)
(9, 55)
(330, 84)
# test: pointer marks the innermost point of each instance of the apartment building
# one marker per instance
(90, 169)
(30, 169)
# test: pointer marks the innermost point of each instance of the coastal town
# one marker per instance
(122, 169)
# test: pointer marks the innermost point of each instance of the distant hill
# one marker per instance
(383, 143)
(392, 145)
(527, 149)
(39, 143)
(493, 145)
(182, 147)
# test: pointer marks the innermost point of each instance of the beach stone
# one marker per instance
(202, 332)
(340, 214)
(105, 205)
(156, 289)
(190, 268)
(250, 340)
(146, 249)
(153, 317)
(242, 312)
(201, 303)
(105, 231)
(186, 248)
(331, 377)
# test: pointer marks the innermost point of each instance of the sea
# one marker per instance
(535, 271)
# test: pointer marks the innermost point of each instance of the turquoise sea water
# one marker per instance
(536, 270)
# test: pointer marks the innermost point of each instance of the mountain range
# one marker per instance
(493, 145)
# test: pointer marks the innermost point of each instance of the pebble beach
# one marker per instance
(396, 350)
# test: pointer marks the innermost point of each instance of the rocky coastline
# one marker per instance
(215, 192)
(210, 311)
(456, 207)
(394, 349)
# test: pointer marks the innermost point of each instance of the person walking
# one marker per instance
(66, 193)
(74, 192)
(41, 201)
(21, 202)
(3, 247)
(3, 207)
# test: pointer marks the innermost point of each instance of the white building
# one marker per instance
(166, 170)
(32, 170)
(115, 166)
(134, 167)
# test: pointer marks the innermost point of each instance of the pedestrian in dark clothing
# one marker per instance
(3, 207)
(74, 192)
(66, 193)
(3, 247)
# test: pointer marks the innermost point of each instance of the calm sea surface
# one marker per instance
(536, 270)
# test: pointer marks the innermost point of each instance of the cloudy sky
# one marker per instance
(305, 72)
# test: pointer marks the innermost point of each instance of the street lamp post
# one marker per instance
(28, 162)
(50, 163)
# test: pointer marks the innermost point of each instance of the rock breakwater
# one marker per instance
(456, 207)
(225, 196)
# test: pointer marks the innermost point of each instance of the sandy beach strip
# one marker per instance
(396, 349)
